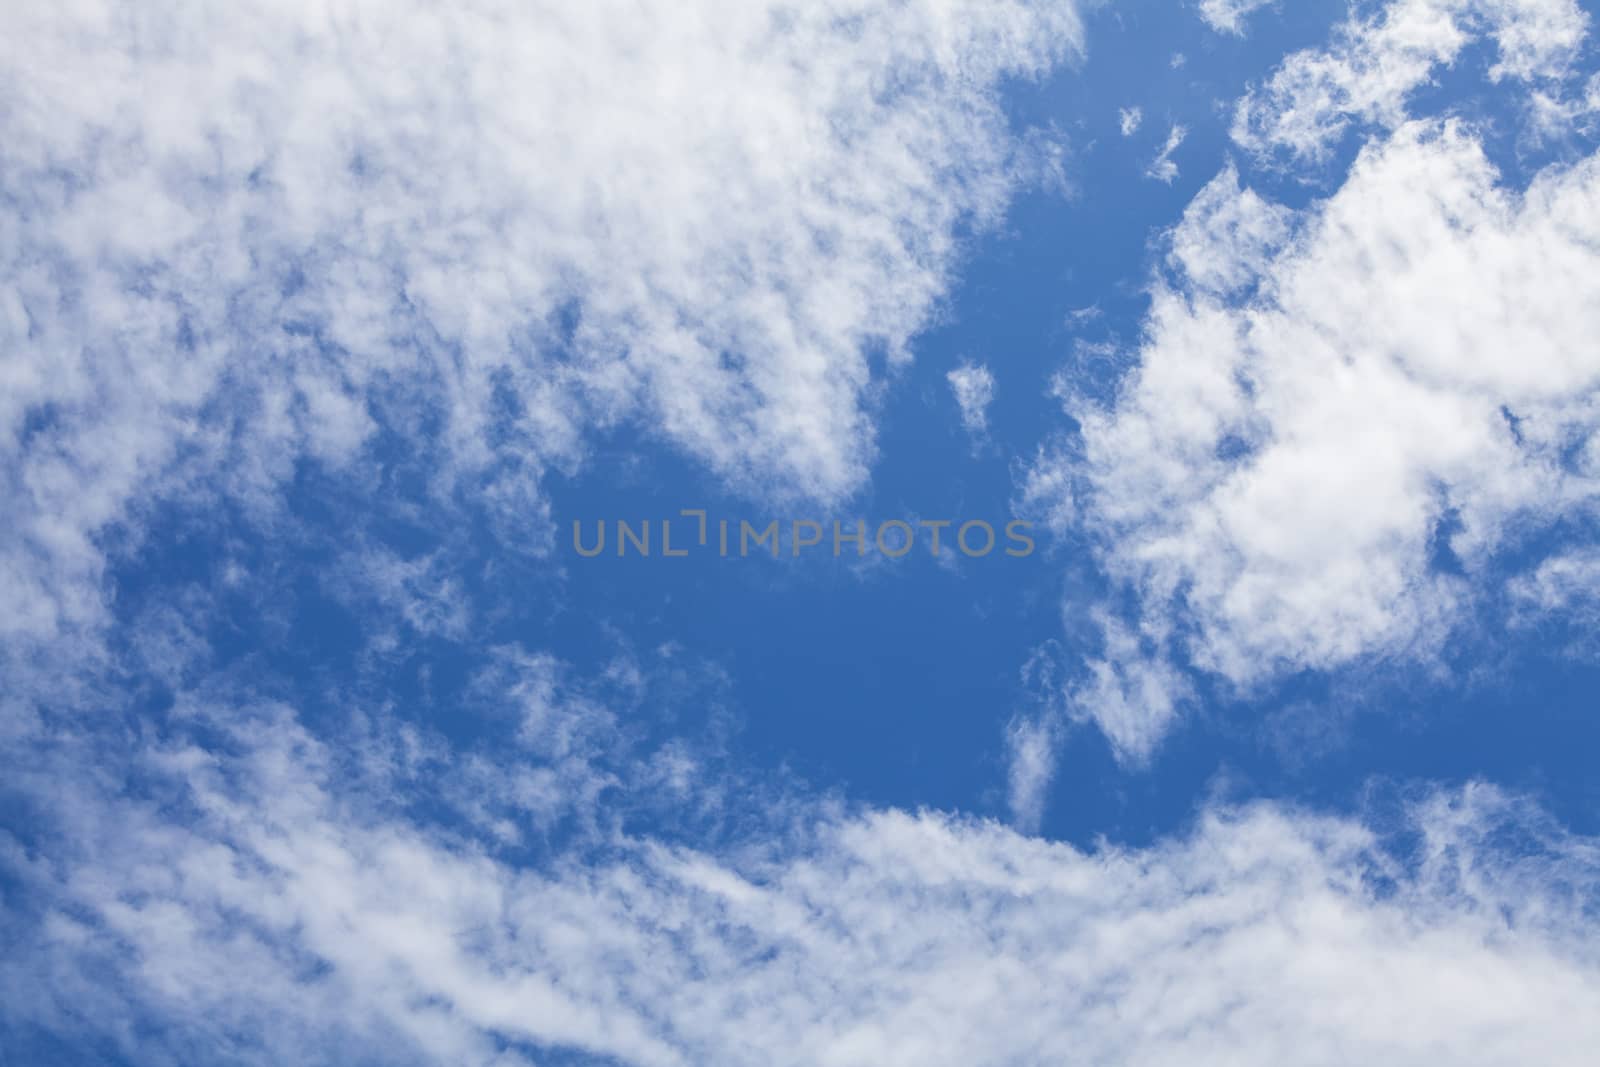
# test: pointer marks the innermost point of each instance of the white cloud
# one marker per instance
(1376, 62)
(1045, 490)
(1162, 168)
(1227, 237)
(236, 243)
(1228, 16)
(1561, 583)
(1133, 692)
(1128, 120)
(1556, 113)
(1561, 597)
(1327, 400)
(294, 914)
(1030, 766)
(973, 387)
(418, 591)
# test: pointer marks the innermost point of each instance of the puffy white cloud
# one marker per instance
(236, 243)
(1128, 120)
(1342, 414)
(255, 901)
(973, 388)
(1374, 64)
(1328, 403)
(1228, 16)
(1227, 237)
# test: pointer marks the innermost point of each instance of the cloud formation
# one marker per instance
(1162, 168)
(1228, 16)
(259, 895)
(1376, 62)
(323, 234)
(1341, 416)
(238, 245)
(973, 388)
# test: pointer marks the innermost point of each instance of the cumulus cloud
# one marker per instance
(255, 901)
(1227, 237)
(1374, 64)
(973, 387)
(1128, 120)
(1343, 414)
(1330, 403)
(236, 245)
(1228, 16)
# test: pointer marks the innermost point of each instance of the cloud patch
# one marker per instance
(1328, 401)
(298, 911)
(233, 246)
(1163, 168)
(1229, 16)
(1375, 63)
(972, 385)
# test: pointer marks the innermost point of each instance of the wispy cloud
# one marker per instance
(1370, 70)
(483, 230)
(1030, 767)
(1162, 168)
(298, 913)
(1228, 16)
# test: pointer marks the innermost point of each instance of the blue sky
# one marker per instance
(324, 323)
